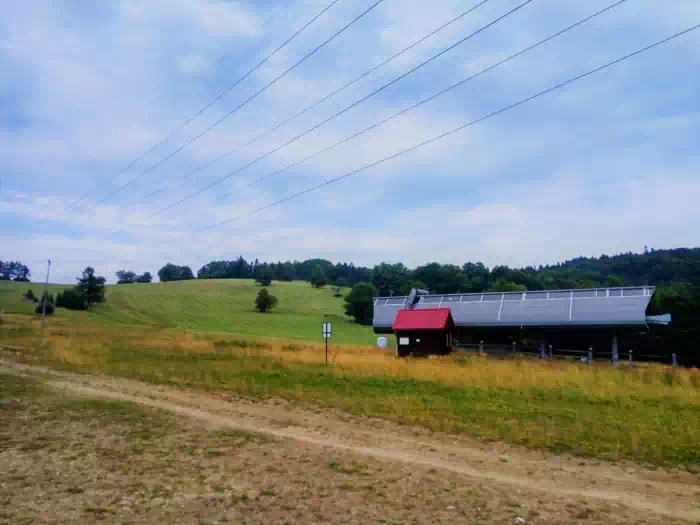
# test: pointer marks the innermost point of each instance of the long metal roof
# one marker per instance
(585, 307)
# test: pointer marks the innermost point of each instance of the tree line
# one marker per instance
(659, 268)
(129, 277)
(345, 274)
(675, 273)
(651, 268)
(14, 271)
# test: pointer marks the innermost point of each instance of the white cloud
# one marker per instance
(607, 165)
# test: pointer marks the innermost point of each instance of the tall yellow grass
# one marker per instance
(84, 344)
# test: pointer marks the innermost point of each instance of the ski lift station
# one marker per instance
(601, 318)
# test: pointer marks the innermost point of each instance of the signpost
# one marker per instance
(46, 295)
(327, 331)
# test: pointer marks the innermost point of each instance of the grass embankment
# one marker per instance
(649, 414)
(210, 306)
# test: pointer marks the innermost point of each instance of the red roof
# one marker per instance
(426, 319)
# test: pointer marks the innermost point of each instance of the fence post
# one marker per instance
(630, 358)
(550, 352)
(481, 347)
(615, 354)
(590, 355)
(515, 348)
(675, 360)
(543, 353)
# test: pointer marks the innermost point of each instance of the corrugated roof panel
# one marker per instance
(606, 307)
(612, 310)
(555, 311)
(422, 319)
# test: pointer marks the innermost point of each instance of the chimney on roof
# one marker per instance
(414, 296)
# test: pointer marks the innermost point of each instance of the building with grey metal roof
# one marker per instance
(593, 308)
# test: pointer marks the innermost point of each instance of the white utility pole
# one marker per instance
(46, 294)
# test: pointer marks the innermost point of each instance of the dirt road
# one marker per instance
(529, 487)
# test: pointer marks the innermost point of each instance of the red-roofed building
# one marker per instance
(424, 331)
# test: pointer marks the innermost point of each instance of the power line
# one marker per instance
(249, 99)
(345, 110)
(189, 120)
(460, 128)
(315, 104)
(436, 95)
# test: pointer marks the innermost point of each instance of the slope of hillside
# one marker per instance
(213, 306)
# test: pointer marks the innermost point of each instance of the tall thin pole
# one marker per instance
(46, 295)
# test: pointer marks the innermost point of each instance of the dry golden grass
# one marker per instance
(649, 412)
(82, 344)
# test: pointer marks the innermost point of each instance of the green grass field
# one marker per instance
(211, 306)
(205, 335)
(647, 413)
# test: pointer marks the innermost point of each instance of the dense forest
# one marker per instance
(339, 274)
(653, 267)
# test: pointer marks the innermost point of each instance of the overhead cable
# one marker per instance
(312, 106)
(244, 103)
(345, 110)
(436, 95)
(209, 104)
(460, 128)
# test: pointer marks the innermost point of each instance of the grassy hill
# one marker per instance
(211, 306)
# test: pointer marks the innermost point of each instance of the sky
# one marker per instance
(608, 164)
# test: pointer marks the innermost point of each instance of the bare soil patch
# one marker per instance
(84, 449)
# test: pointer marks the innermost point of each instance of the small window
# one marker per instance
(404, 341)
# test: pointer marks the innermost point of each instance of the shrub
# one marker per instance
(29, 296)
(71, 299)
(360, 303)
(50, 308)
(49, 305)
(264, 301)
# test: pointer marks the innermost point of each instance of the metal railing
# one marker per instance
(583, 356)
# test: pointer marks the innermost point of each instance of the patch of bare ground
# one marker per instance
(83, 449)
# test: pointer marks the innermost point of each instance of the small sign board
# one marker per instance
(327, 330)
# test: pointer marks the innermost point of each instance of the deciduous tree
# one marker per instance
(172, 272)
(264, 275)
(318, 277)
(91, 287)
(265, 301)
(360, 303)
